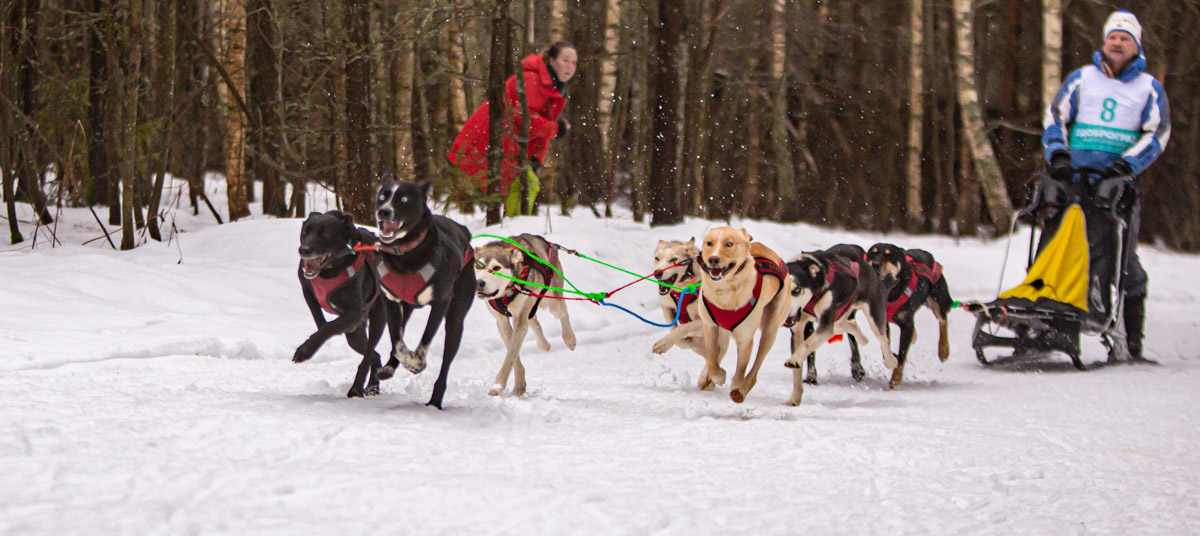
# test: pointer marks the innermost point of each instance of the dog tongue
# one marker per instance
(312, 265)
(389, 227)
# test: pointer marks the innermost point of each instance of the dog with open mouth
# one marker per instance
(338, 280)
(422, 261)
(827, 289)
(514, 304)
(913, 279)
(675, 265)
(801, 295)
(744, 290)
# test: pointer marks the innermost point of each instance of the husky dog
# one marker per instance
(912, 279)
(827, 288)
(508, 299)
(744, 290)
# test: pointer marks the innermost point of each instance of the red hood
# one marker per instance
(536, 64)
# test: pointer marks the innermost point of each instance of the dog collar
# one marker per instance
(404, 247)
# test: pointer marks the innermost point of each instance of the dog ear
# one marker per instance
(425, 187)
(516, 255)
(814, 270)
(746, 234)
(691, 243)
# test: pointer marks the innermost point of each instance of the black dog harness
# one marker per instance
(500, 304)
(731, 319)
(922, 274)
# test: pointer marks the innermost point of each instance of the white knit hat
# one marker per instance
(1126, 22)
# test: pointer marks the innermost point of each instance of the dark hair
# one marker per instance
(557, 48)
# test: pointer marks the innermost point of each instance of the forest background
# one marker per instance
(922, 115)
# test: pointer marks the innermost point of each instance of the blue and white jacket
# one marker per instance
(1098, 117)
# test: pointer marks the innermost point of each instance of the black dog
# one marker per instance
(913, 279)
(341, 281)
(827, 288)
(849, 251)
(421, 261)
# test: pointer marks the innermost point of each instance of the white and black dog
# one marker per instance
(421, 260)
(495, 263)
(827, 288)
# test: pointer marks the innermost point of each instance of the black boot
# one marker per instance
(1135, 319)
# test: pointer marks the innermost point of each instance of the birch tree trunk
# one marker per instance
(991, 181)
(1051, 50)
(916, 115)
(401, 117)
(234, 25)
(780, 149)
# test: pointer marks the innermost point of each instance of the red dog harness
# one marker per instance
(324, 286)
(732, 319)
(688, 300)
(835, 267)
(406, 287)
(500, 305)
(927, 274)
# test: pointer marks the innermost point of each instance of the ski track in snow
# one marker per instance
(143, 396)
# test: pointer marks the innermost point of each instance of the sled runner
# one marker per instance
(1072, 286)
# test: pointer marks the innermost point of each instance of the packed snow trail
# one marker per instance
(145, 396)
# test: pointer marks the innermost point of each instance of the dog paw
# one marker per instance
(386, 372)
(355, 392)
(371, 390)
(719, 378)
(792, 363)
(810, 381)
(857, 373)
(737, 396)
(413, 362)
(569, 340)
(661, 347)
(897, 377)
(496, 390)
(303, 353)
(518, 390)
(889, 362)
(544, 345)
(793, 401)
(944, 351)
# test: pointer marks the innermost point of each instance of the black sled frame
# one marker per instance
(1039, 330)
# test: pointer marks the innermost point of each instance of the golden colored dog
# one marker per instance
(744, 290)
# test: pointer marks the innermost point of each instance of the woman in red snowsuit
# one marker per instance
(545, 79)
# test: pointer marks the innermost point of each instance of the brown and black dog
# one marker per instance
(744, 290)
(827, 288)
(913, 278)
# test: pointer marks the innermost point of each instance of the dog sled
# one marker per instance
(1072, 286)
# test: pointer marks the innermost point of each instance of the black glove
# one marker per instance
(1120, 168)
(1060, 167)
(535, 164)
(562, 128)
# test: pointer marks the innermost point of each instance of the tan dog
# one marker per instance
(507, 299)
(674, 264)
(744, 290)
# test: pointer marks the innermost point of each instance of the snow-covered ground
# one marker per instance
(152, 392)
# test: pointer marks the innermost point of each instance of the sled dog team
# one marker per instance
(421, 259)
